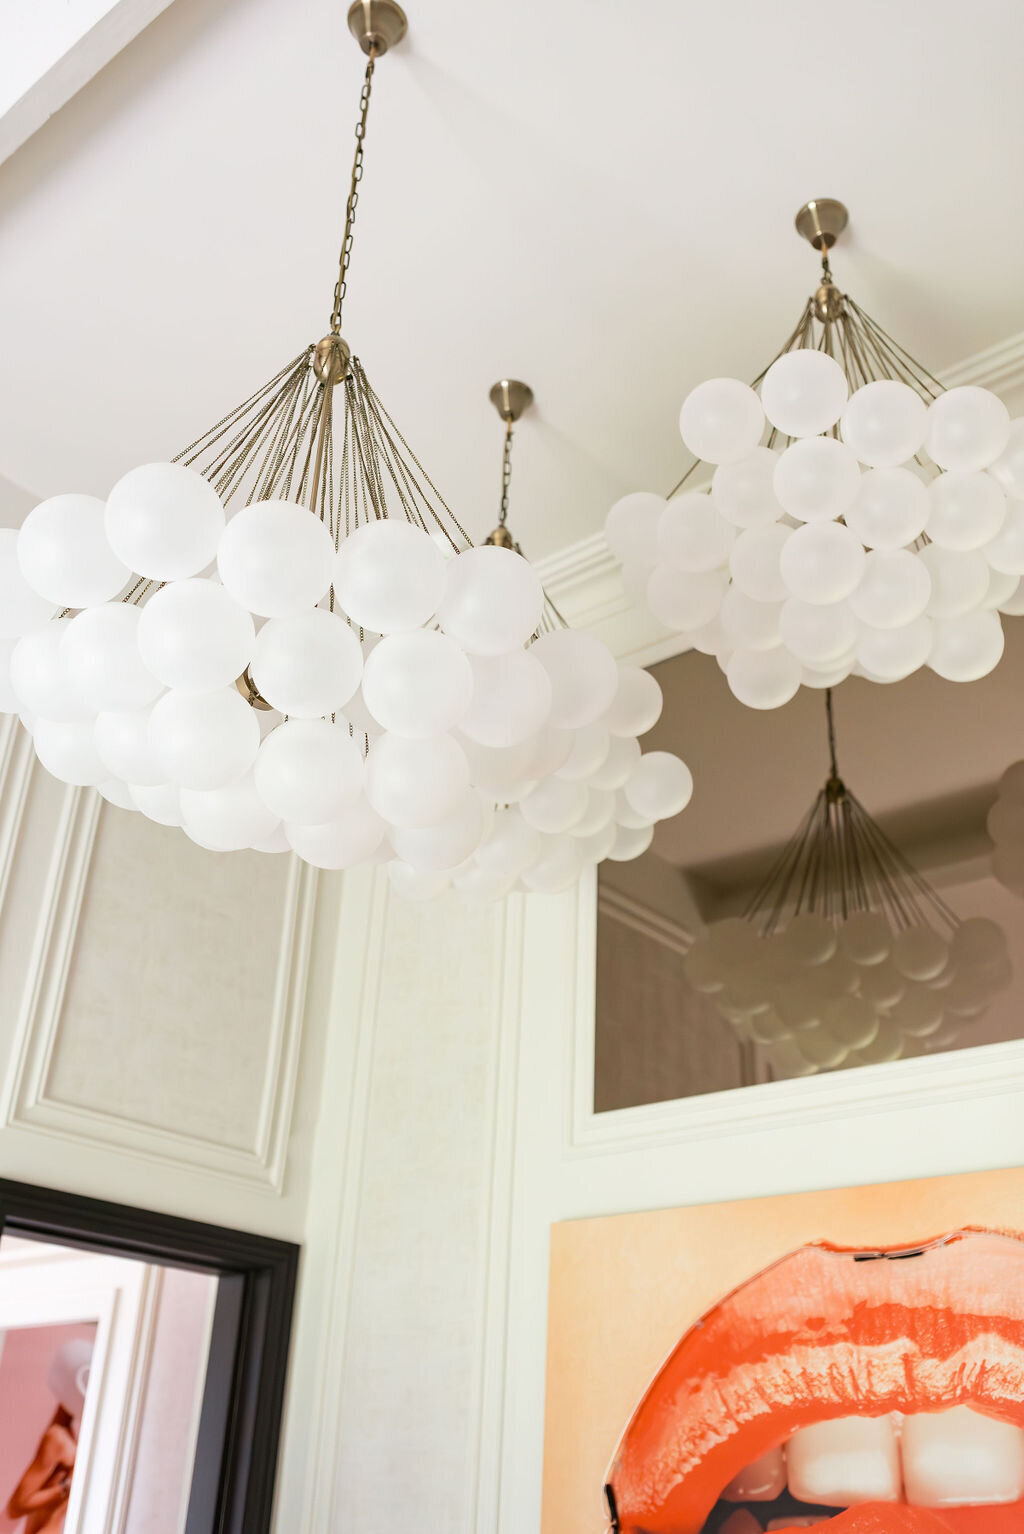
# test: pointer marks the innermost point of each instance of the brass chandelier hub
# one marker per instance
(821, 221)
(331, 360)
(377, 25)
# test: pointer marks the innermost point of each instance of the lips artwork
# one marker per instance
(873, 1392)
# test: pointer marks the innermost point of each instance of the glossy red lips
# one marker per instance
(827, 1332)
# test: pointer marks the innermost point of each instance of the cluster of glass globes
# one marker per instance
(407, 701)
(893, 542)
(817, 993)
(1006, 828)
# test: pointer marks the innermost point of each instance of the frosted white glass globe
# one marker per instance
(1005, 821)
(353, 838)
(583, 673)
(309, 771)
(101, 653)
(919, 953)
(276, 842)
(968, 647)
(276, 558)
(596, 848)
(917, 1013)
(711, 638)
(890, 510)
(418, 684)
(1005, 552)
(865, 937)
(1013, 605)
(968, 428)
(415, 783)
(965, 511)
(810, 939)
(755, 562)
(511, 698)
(21, 608)
(40, 678)
(163, 521)
(693, 535)
(959, 581)
(64, 553)
(160, 803)
(203, 739)
(626, 815)
(630, 843)
(631, 527)
(617, 767)
(881, 984)
(894, 589)
(885, 423)
(558, 867)
(493, 600)
(555, 805)
(550, 749)
(122, 741)
(1008, 468)
(748, 624)
(510, 845)
(195, 636)
(308, 665)
(978, 941)
(118, 794)
(803, 393)
(816, 635)
(763, 678)
(599, 813)
(637, 704)
(499, 770)
(660, 786)
(852, 1021)
(68, 752)
(440, 848)
(685, 601)
(590, 747)
(817, 479)
(892, 654)
(744, 491)
(721, 420)
(1002, 587)
(389, 576)
(821, 562)
(229, 818)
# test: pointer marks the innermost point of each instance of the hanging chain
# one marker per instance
(353, 196)
(506, 472)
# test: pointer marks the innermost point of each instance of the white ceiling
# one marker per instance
(597, 197)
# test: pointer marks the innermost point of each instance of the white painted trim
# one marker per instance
(27, 1104)
(638, 917)
(17, 759)
(484, 1468)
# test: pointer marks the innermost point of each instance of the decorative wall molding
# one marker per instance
(17, 759)
(584, 580)
(638, 917)
(27, 1102)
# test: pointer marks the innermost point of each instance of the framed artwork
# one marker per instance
(851, 1359)
(142, 1369)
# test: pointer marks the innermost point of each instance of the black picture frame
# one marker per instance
(243, 1401)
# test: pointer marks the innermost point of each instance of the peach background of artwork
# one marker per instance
(27, 1403)
(624, 1288)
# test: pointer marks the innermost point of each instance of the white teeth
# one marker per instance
(740, 1522)
(962, 1457)
(761, 1481)
(843, 1462)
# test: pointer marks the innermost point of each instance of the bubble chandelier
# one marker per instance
(284, 640)
(860, 519)
(845, 954)
(1005, 825)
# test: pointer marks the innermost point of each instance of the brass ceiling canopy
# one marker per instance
(510, 397)
(377, 24)
(821, 221)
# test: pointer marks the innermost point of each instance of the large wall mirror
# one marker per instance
(142, 1369)
(924, 757)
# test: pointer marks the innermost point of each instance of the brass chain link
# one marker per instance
(506, 472)
(353, 196)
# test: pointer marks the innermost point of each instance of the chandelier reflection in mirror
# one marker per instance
(860, 519)
(846, 955)
(355, 683)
